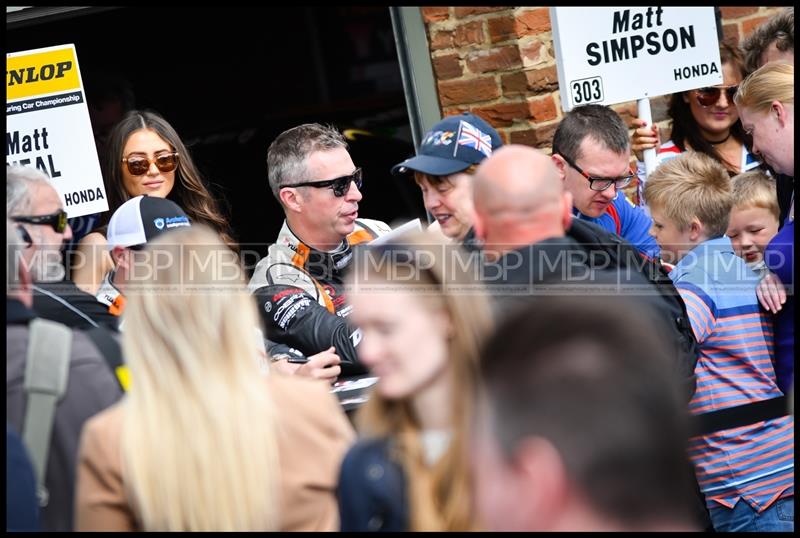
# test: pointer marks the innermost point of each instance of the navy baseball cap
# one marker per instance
(452, 145)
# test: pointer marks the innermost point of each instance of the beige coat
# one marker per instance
(313, 436)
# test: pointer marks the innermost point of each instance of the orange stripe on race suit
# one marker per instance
(299, 260)
(117, 306)
(301, 256)
(359, 236)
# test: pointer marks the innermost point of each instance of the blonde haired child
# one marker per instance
(754, 217)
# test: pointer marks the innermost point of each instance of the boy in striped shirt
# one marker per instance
(744, 451)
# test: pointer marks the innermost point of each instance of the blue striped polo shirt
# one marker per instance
(754, 462)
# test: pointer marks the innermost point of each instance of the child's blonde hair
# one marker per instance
(692, 185)
(755, 189)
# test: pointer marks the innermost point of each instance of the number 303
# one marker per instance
(588, 90)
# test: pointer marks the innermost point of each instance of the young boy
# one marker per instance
(754, 217)
(743, 450)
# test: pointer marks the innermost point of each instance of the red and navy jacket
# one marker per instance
(629, 222)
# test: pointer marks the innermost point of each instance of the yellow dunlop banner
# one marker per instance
(41, 73)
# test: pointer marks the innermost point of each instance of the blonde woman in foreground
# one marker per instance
(422, 326)
(199, 442)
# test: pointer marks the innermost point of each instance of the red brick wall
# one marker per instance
(498, 62)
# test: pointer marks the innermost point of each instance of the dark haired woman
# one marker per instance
(703, 120)
(146, 156)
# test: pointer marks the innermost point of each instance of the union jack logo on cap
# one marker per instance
(472, 137)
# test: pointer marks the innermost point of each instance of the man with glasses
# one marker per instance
(523, 214)
(299, 284)
(592, 152)
(36, 207)
(38, 214)
(90, 386)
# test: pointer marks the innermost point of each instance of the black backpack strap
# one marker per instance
(740, 415)
(111, 350)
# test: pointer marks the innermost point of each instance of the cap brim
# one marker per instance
(434, 166)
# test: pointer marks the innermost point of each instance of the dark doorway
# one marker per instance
(230, 79)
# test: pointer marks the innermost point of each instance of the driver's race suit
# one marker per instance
(300, 293)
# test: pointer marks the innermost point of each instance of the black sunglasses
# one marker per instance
(710, 95)
(601, 183)
(57, 220)
(340, 185)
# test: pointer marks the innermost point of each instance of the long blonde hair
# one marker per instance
(198, 443)
(439, 497)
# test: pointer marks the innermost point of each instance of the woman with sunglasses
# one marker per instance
(146, 156)
(421, 334)
(703, 120)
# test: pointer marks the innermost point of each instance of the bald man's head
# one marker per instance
(517, 178)
(518, 189)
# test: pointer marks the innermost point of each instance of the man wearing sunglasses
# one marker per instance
(592, 152)
(37, 212)
(299, 284)
(91, 386)
(42, 222)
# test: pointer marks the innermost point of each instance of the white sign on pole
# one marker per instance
(48, 126)
(608, 55)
